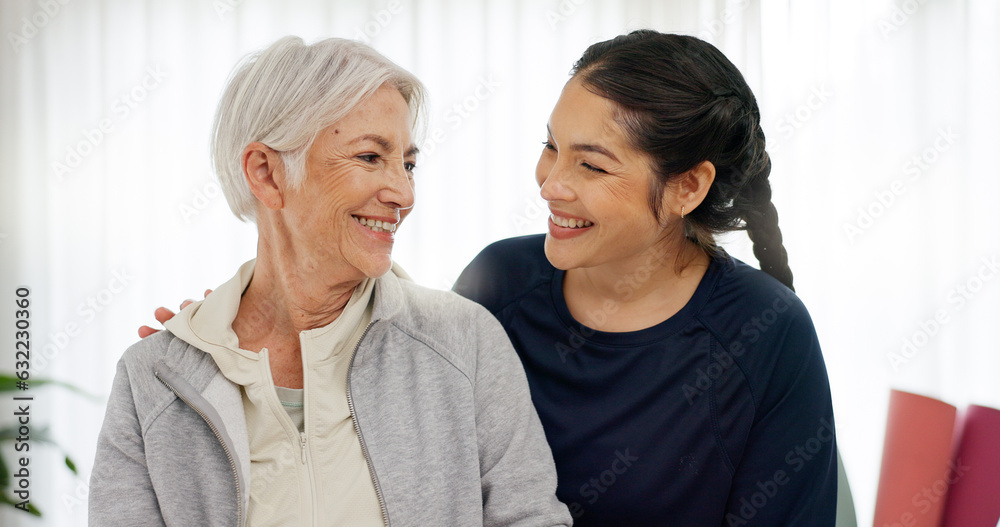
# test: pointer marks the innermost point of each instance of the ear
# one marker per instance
(689, 189)
(265, 174)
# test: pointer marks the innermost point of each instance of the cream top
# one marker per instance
(314, 476)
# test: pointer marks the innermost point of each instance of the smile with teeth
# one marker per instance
(375, 225)
(570, 223)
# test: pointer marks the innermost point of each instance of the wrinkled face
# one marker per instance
(358, 187)
(596, 185)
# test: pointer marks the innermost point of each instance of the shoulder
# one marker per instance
(143, 356)
(767, 330)
(429, 336)
(142, 361)
(742, 294)
(434, 316)
(163, 349)
(453, 327)
(505, 270)
(424, 305)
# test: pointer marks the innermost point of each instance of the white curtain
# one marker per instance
(880, 115)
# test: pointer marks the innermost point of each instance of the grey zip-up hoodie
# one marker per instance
(441, 405)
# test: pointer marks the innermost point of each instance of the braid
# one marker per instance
(762, 226)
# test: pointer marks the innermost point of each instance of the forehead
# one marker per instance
(384, 113)
(583, 116)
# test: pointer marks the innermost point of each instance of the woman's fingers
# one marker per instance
(163, 314)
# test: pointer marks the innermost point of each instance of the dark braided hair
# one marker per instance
(680, 100)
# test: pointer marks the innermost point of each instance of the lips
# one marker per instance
(563, 227)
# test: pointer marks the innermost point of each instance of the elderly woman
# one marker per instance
(319, 386)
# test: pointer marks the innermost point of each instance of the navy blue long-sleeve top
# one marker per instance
(720, 415)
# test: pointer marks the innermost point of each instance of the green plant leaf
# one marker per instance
(8, 383)
(40, 435)
(6, 500)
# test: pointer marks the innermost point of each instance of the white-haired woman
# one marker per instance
(319, 386)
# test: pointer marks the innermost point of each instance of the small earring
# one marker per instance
(682, 212)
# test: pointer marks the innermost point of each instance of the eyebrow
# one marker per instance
(377, 139)
(597, 149)
(385, 144)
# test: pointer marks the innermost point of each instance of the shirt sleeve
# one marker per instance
(787, 473)
(517, 470)
(121, 492)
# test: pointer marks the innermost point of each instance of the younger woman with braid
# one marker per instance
(676, 385)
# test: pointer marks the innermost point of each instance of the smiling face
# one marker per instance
(597, 186)
(357, 188)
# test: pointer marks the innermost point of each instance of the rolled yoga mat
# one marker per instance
(974, 497)
(916, 461)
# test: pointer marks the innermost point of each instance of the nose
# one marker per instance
(397, 192)
(553, 180)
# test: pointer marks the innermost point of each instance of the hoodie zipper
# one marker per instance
(357, 429)
(225, 448)
(308, 465)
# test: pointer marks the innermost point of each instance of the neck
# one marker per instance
(291, 290)
(638, 292)
(632, 279)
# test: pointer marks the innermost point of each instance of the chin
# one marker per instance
(376, 266)
(560, 257)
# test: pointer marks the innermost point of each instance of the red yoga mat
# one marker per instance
(974, 498)
(916, 462)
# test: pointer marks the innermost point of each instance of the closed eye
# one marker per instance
(592, 168)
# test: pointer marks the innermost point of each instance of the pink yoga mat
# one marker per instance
(916, 462)
(974, 498)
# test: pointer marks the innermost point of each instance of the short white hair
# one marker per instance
(284, 95)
